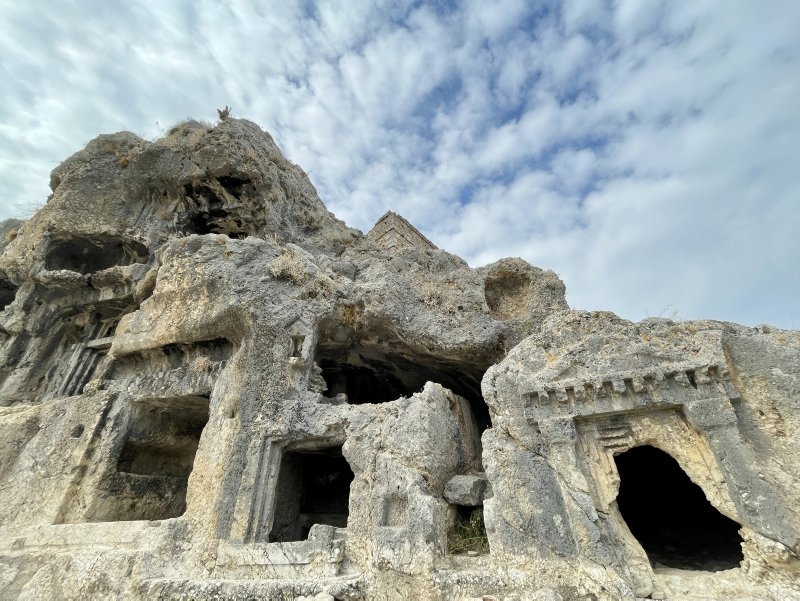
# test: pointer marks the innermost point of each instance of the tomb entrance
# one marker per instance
(373, 364)
(313, 488)
(149, 479)
(156, 459)
(669, 515)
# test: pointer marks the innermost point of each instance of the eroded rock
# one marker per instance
(212, 388)
(465, 490)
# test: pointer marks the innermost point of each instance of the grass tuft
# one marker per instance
(468, 534)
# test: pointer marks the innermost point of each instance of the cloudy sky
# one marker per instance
(646, 151)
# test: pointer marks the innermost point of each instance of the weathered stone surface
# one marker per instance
(212, 388)
(590, 386)
(465, 490)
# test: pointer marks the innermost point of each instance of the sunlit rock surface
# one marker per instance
(212, 388)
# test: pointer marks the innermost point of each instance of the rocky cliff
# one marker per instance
(210, 387)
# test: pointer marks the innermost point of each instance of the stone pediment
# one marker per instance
(393, 232)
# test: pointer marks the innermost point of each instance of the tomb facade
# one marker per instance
(210, 387)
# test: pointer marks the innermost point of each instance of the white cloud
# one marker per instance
(634, 18)
(584, 14)
(644, 150)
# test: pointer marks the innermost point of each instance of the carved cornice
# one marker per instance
(625, 391)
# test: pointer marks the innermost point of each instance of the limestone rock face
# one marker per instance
(584, 411)
(210, 387)
(465, 490)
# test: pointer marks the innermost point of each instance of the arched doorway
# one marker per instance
(670, 516)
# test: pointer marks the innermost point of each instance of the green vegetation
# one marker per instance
(468, 533)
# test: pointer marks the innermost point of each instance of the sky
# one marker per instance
(648, 152)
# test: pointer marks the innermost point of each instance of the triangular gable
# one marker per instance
(393, 232)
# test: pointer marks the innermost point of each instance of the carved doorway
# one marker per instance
(670, 516)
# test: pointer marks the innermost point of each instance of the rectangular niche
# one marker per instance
(467, 532)
(313, 488)
(154, 464)
(395, 511)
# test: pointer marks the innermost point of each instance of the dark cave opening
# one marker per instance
(376, 366)
(87, 254)
(369, 382)
(163, 437)
(210, 212)
(313, 488)
(8, 292)
(670, 516)
(235, 186)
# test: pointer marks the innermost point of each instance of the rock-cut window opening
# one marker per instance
(157, 456)
(467, 532)
(87, 254)
(670, 516)
(313, 488)
(377, 367)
